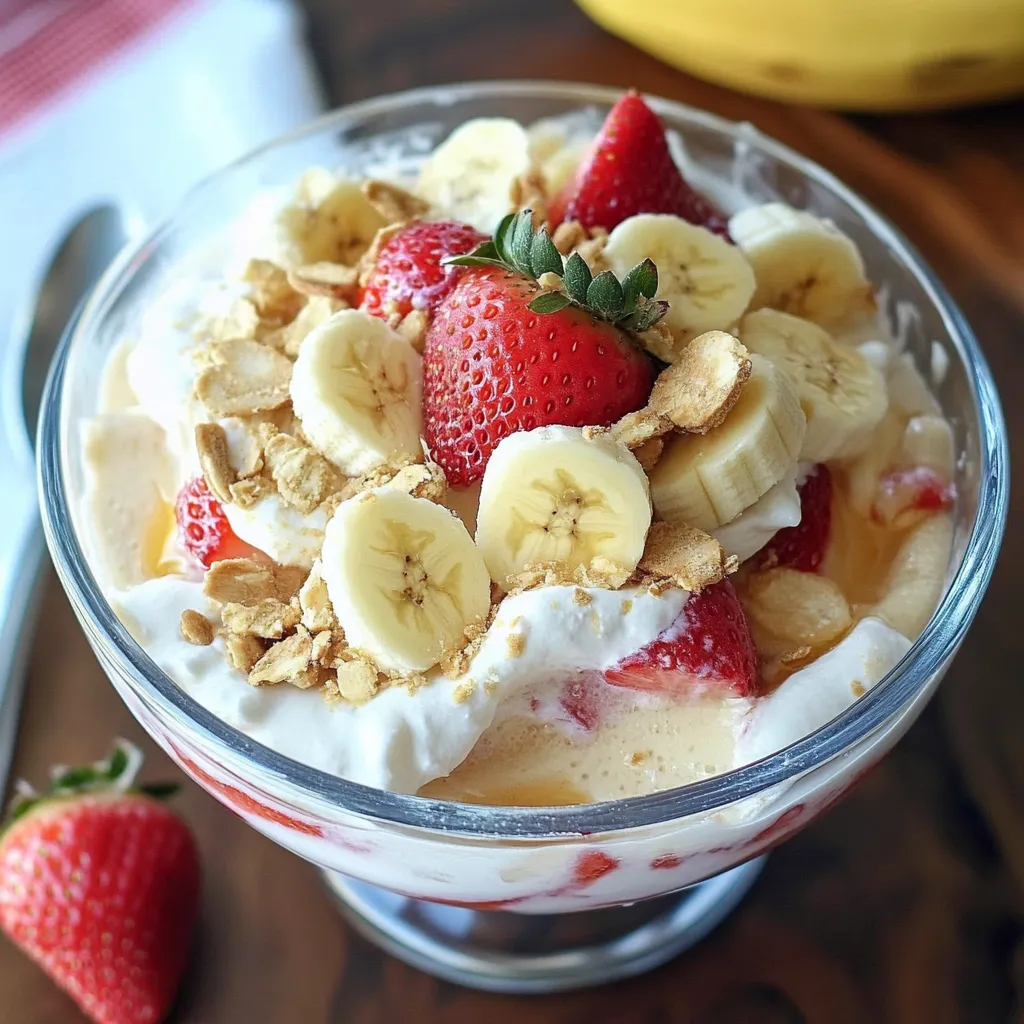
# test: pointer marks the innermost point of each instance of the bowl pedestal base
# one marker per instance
(500, 951)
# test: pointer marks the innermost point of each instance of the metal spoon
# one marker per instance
(87, 249)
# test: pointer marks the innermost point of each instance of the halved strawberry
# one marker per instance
(709, 645)
(205, 531)
(501, 355)
(803, 546)
(628, 170)
(409, 274)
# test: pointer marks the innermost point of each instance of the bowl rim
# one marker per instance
(929, 652)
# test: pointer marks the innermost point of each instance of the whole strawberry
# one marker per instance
(503, 355)
(628, 170)
(408, 272)
(99, 884)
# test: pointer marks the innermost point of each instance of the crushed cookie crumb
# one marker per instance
(684, 556)
(394, 204)
(635, 429)
(274, 299)
(269, 618)
(697, 391)
(315, 602)
(303, 476)
(212, 448)
(580, 596)
(288, 661)
(421, 480)
(571, 236)
(490, 687)
(326, 279)
(464, 691)
(245, 581)
(239, 322)
(414, 329)
(357, 681)
(660, 342)
(516, 643)
(527, 192)
(290, 337)
(857, 688)
(246, 493)
(626, 607)
(648, 453)
(246, 378)
(600, 573)
(244, 650)
(638, 758)
(196, 628)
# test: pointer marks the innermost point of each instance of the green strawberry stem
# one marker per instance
(114, 775)
(629, 304)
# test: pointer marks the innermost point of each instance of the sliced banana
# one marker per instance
(404, 577)
(804, 265)
(916, 577)
(843, 396)
(554, 495)
(356, 388)
(470, 175)
(707, 480)
(332, 222)
(706, 281)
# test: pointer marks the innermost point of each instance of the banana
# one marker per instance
(556, 495)
(404, 577)
(843, 396)
(916, 577)
(706, 281)
(356, 389)
(333, 221)
(707, 480)
(470, 175)
(803, 265)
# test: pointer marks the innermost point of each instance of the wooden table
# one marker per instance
(906, 903)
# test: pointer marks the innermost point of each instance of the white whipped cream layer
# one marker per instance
(755, 526)
(400, 740)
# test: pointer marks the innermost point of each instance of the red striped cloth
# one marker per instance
(48, 47)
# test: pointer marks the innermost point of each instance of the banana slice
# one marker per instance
(706, 281)
(356, 388)
(804, 265)
(404, 577)
(555, 495)
(916, 577)
(843, 396)
(333, 222)
(707, 480)
(470, 175)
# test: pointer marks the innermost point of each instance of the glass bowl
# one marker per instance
(485, 868)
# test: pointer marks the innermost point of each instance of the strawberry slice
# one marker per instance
(408, 273)
(709, 645)
(803, 546)
(908, 494)
(205, 531)
(628, 170)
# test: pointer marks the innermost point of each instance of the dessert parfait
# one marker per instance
(537, 476)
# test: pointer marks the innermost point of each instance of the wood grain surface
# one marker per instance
(904, 904)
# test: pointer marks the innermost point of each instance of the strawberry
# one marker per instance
(628, 170)
(709, 644)
(502, 355)
(907, 495)
(803, 546)
(99, 884)
(408, 273)
(205, 531)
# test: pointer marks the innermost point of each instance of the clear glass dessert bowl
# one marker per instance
(689, 852)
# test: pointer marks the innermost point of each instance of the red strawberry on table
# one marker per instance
(205, 530)
(501, 355)
(408, 273)
(628, 170)
(803, 546)
(99, 884)
(709, 645)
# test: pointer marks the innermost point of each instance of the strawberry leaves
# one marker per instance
(629, 304)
